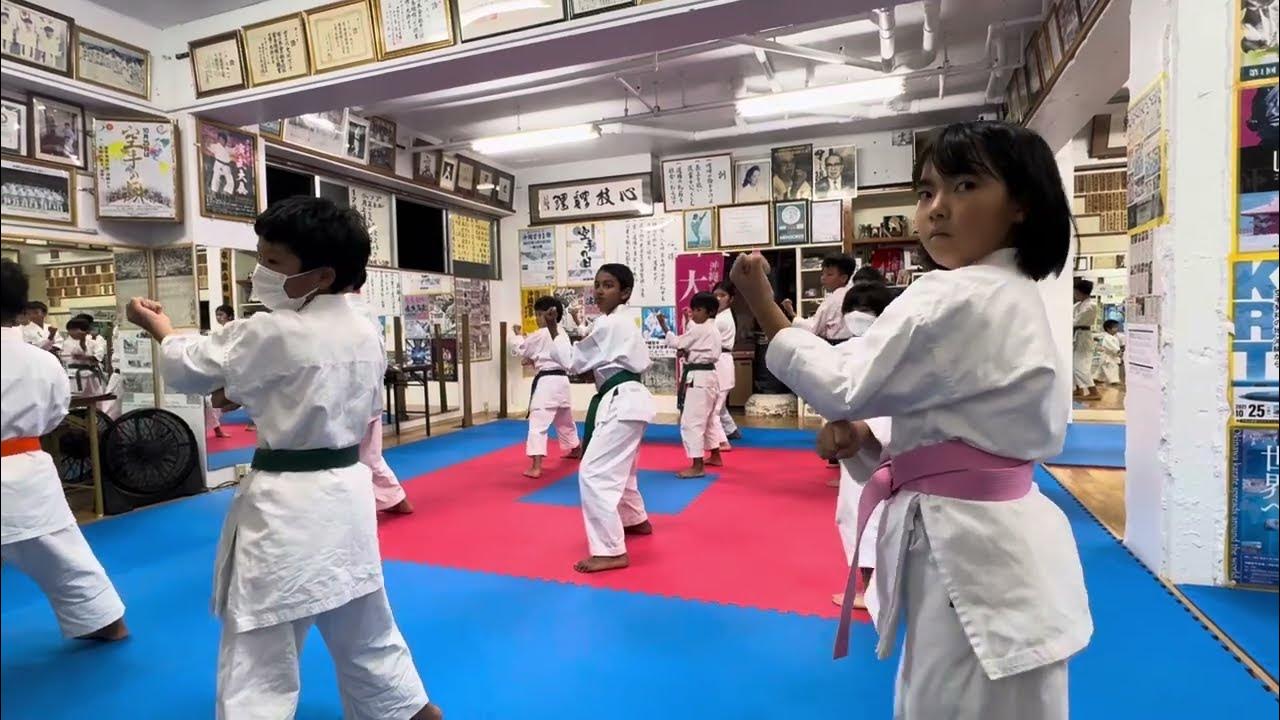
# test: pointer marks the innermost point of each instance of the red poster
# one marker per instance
(695, 273)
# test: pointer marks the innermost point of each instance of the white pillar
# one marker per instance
(1176, 484)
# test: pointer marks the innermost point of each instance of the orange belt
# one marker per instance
(17, 446)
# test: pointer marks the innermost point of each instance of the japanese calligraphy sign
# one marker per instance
(1255, 506)
(137, 170)
(382, 289)
(341, 35)
(469, 239)
(697, 182)
(412, 26)
(276, 50)
(538, 257)
(1255, 380)
(695, 273)
(596, 199)
(584, 253)
(375, 207)
(649, 247)
(217, 64)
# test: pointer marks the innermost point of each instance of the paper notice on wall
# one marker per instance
(649, 247)
(1142, 355)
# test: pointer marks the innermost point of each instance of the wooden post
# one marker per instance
(464, 369)
(402, 407)
(95, 459)
(502, 370)
(439, 363)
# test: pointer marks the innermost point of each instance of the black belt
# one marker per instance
(726, 350)
(834, 342)
(541, 374)
(684, 380)
(305, 460)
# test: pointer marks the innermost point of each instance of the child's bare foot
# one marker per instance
(640, 528)
(430, 712)
(574, 454)
(601, 563)
(726, 448)
(404, 507)
(838, 599)
(715, 460)
(691, 473)
(533, 473)
(111, 633)
(219, 432)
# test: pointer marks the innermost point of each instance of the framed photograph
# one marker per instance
(581, 8)
(607, 198)
(791, 222)
(138, 174)
(39, 192)
(217, 64)
(37, 37)
(895, 226)
(835, 172)
(272, 129)
(506, 192)
(466, 184)
(228, 172)
(744, 226)
(57, 131)
(1068, 24)
(1035, 76)
(792, 172)
(826, 221)
(13, 126)
(324, 132)
(426, 167)
(276, 50)
(405, 27)
(357, 139)
(448, 173)
(1051, 45)
(700, 229)
(382, 145)
(109, 63)
(340, 35)
(486, 183)
(751, 181)
(485, 18)
(689, 183)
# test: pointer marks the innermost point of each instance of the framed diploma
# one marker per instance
(276, 50)
(405, 27)
(591, 7)
(486, 18)
(217, 64)
(744, 226)
(341, 35)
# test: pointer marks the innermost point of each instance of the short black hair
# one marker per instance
(320, 233)
(225, 310)
(705, 300)
(872, 296)
(361, 278)
(843, 263)
(1021, 160)
(79, 323)
(35, 304)
(83, 316)
(13, 291)
(626, 279)
(1084, 286)
(727, 287)
(1110, 324)
(869, 274)
(546, 302)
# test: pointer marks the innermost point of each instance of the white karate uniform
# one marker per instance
(1112, 350)
(828, 321)
(725, 372)
(38, 335)
(993, 614)
(549, 404)
(387, 490)
(300, 548)
(38, 533)
(698, 433)
(607, 477)
(83, 352)
(1084, 315)
(854, 474)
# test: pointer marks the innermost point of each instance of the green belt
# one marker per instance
(305, 460)
(534, 389)
(618, 378)
(684, 380)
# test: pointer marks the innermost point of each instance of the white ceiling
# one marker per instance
(167, 13)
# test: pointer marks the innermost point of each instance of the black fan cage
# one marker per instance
(149, 452)
(68, 445)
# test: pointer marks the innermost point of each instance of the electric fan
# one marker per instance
(68, 444)
(149, 456)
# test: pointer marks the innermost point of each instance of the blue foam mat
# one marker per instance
(664, 493)
(1251, 618)
(1092, 445)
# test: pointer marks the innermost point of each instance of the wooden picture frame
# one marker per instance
(1099, 134)
(218, 64)
(273, 129)
(1070, 23)
(107, 44)
(19, 11)
(386, 50)
(560, 206)
(234, 168)
(795, 215)
(486, 187)
(39, 107)
(357, 145)
(505, 195)
(290, 30)
(103, 130)
(601, 6)
(40, 176)
(1052, 41)
(674, 169)
(448, 180)
(1034, 68)
(472, 12)
(712, 239)
(468, 172)
(353, 20)
(427, 166)
(382, 145)
(745, 226)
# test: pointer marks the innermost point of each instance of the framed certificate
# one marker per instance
(744, 226)
(276, 50)
(580, 8)
(405, 27)
(486, 18)
(341, 35)
(217, 64)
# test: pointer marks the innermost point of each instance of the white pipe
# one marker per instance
(1000, 59)
(991, 29)
(886, 22)
(929, 33)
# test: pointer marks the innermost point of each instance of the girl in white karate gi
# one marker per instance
(1111, 345)
(726, 429)
(615, 352)
(549, 403)
(300, 543)
(38, 533)
(982, 566)
(699, 390)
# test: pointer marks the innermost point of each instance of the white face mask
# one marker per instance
(268, 287)
(858, 322)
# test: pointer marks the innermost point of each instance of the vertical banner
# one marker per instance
(649, 247)
(1255, 503)
(695, 273)
(1148, 173)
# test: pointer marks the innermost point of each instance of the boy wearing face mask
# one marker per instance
(300, 544)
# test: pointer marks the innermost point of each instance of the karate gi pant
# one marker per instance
(698, 431)
(1082, 365)
(212, 416)
(607, 484)
(387, 490)
(724, 417)
(939, 676)
(541, 420)
(1110, 373)
(258, 669)
(64, 567)
(113, 408)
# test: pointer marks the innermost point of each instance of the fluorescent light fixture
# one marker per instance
(532, 139)
(821, 97)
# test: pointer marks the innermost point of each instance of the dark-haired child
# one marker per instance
(699, 384)
(726, 429)
(1084, 315)
(35, 330)
(300, 544)
(981, 565)
(828, 321)
(83, 357)
(549, 400)
(616, 420)
(1111, 345)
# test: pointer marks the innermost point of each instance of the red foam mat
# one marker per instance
(762, 535)
(239, 437)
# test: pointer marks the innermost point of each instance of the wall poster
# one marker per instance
(382, 290)
(596, 199)
(695, 273)
(697, 182)
(375, 207)
(538, 256)
(1258, 183)
(1255, 380)
(137, 175)
(584, 253)
(1255, 506)
(1146, 151)
(529, 296)
(649, 248)
(470, 239)
(1257, 52)
(473, 301)
(176, 284)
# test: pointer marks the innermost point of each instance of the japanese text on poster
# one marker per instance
(1255, 516)
(538, 256)
(599, 198)
(584, 253)
(649, 247)
(695, 273)
(470, 239)
(1255, 380)
(375, 208)
(1146, 147)
(697, 182)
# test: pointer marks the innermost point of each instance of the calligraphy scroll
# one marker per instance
(409, 26)
(469, 239)
(375, 207)
(697, 182)
(648, 246)
(383, 293)
(584, 253)
(596, 199)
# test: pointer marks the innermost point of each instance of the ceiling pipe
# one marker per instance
(996, 40)
(930, 33)
(1000, 60)
(1005, 25)
(765, 65)
(886, 22)
(821, 56)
